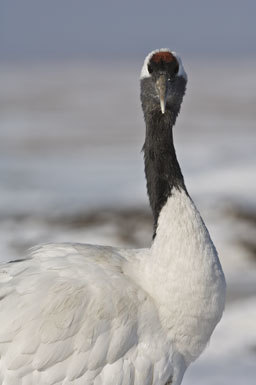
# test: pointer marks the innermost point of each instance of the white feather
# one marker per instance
(76, 331)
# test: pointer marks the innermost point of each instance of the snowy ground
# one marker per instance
(71, 170)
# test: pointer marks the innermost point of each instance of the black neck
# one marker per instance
(162, 169)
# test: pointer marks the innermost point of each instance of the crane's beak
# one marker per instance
(161, 86)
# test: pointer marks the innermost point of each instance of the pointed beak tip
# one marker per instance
(162, 105)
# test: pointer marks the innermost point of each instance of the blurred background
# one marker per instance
(71, 132)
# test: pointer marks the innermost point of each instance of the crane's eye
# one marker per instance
(176, 69)
(150, 69)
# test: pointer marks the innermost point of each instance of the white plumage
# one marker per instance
(75, 314)
(71, 315)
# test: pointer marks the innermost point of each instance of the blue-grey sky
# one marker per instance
(45, 29)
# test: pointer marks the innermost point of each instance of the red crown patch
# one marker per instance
(163, 56)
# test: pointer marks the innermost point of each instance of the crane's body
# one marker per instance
(74, 314)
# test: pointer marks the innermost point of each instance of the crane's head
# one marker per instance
(163, 81)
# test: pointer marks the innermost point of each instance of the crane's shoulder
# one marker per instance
(69, 313)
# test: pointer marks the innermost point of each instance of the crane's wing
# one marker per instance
(69, 315)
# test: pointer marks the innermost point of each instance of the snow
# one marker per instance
(71, 170)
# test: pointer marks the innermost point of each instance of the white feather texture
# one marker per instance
(184, 276)
(82, 314)
(146, 74)
(70, 315)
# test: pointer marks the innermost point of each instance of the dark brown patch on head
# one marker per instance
(164, 56)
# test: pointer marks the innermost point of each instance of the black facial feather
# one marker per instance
(171, 68)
